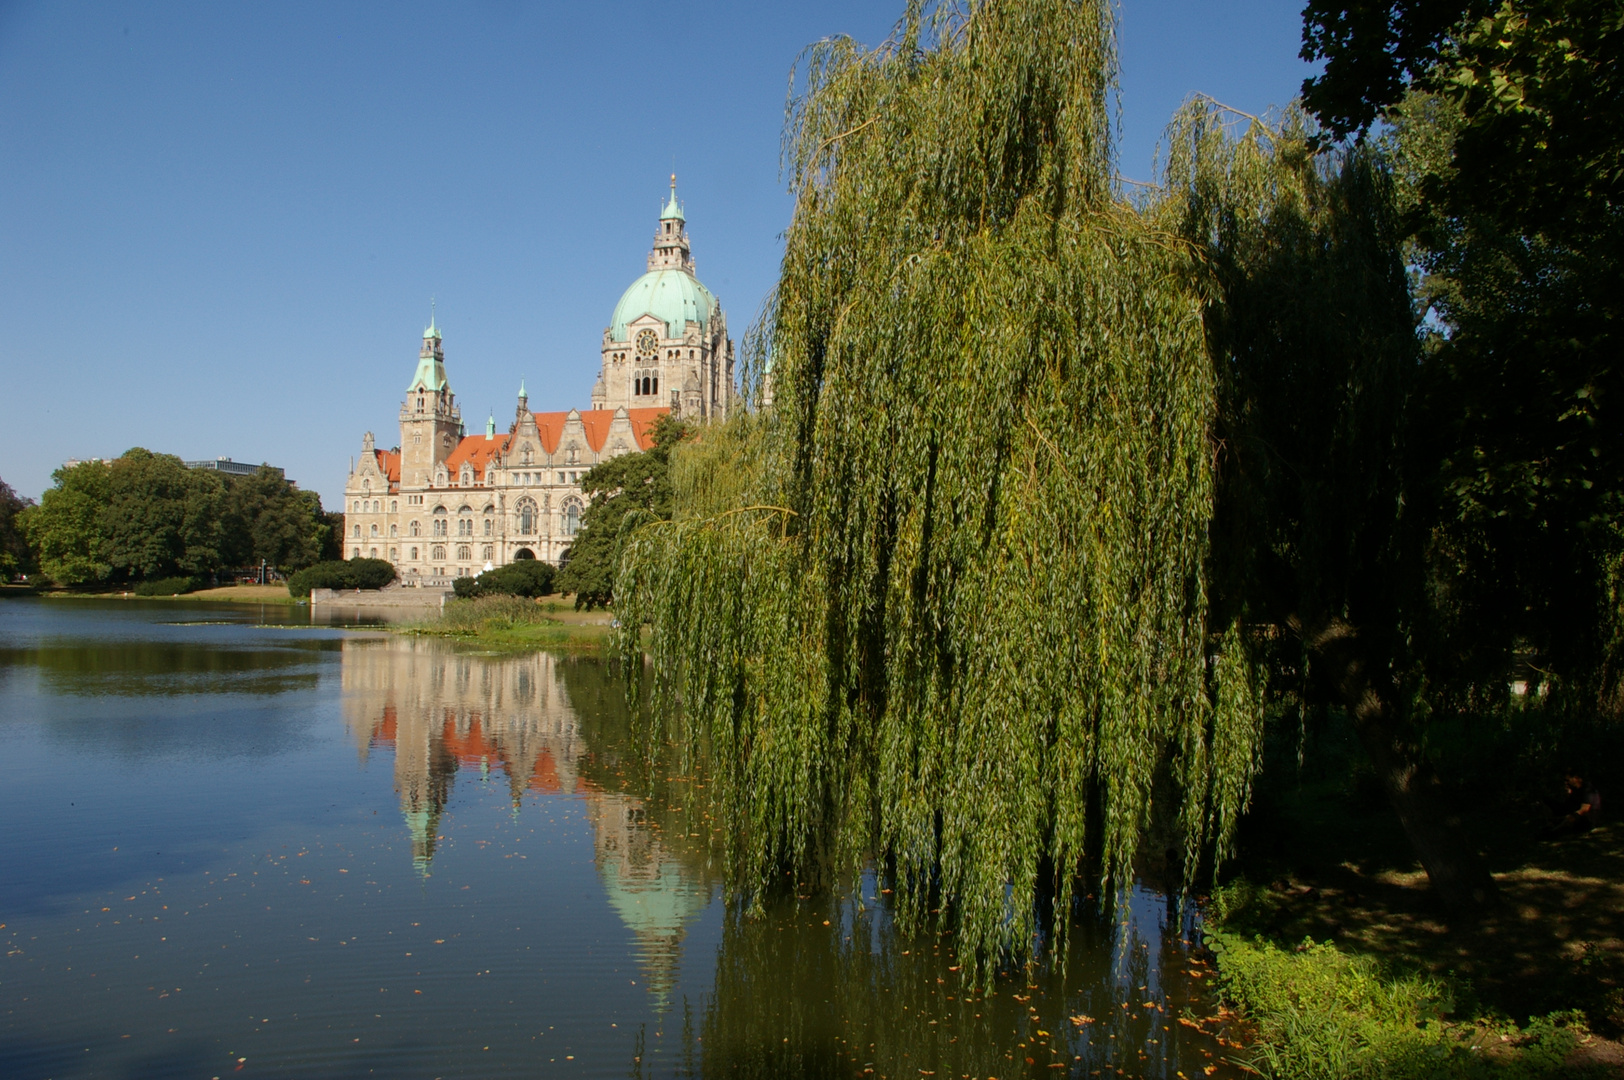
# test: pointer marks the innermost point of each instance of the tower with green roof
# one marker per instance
(666, 345)
(430, 419)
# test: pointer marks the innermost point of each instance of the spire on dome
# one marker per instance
(522, 395)
(673, 209)
(433, 332)
(490, 426)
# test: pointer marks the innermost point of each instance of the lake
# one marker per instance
(240, 844)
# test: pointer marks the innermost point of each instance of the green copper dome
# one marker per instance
(675, 297)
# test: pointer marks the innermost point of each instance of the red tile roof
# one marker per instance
(477, 451)
(482, 452)
(389, 465)
(596, 422)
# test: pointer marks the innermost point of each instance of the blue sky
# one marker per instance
(221, 223)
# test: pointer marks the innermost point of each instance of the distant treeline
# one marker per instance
(147, 517)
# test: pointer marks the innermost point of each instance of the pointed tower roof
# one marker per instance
(673, 209)
(430, 363)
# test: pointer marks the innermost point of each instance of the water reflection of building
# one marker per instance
(441, 711)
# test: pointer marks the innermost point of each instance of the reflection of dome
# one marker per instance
(675, 297)
(657, 902)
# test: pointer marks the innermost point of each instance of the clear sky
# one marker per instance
(221, 224)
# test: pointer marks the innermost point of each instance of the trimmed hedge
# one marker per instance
(342, 574)
(168, 586)
(529, 577)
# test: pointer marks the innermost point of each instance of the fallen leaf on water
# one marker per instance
(1080, 1019)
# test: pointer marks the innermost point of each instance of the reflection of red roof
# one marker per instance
(477, 747)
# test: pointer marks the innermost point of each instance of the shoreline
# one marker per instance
(230, 594)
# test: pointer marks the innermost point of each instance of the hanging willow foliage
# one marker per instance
(951, 611)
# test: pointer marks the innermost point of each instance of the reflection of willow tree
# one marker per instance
(862, 997)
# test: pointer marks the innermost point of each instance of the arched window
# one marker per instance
(374, 553)
(414, 554)
(572, 519)
(415, 528)
(527, 518)
(358, 532)
(394, 506)
(377, 506)
(393, 554)
(355, 553)
(487, 555)
(394, 531)
(438, 553)
(440, 522)
(464, 553)
(374, 530)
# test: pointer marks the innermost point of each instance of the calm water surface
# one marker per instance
(233, 847)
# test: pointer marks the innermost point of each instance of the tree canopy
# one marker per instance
(630, 486)
(15, 556)
(147, 516)
(1507, 137)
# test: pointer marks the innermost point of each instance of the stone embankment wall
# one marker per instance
(382, 598)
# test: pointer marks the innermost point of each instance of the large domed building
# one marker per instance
(666, 344)
(444, 504)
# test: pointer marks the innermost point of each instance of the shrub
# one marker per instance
(1320, 1012)
(169, 586)
(530, 577)
(342, 574)
(498, 612)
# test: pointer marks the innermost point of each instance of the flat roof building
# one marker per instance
(235, 468)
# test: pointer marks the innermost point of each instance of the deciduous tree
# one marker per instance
(66, 529)
(631, 484)
(15, 555)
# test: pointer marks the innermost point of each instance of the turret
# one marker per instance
(430, 421)
(671, 251)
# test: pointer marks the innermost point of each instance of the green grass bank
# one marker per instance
(514, 622)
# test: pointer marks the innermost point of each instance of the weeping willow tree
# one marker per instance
(1046, 481)
(957, 617)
